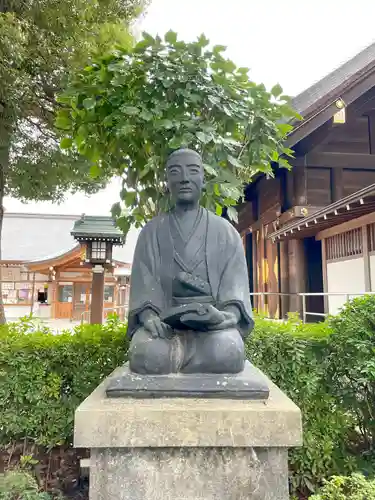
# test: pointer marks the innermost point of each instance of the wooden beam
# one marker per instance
(284, 277)
(366, 258)
(314, 139)
(328, 109)
(325, 275)
(300, 185)
(337, 184)
(364, 220)
(371, 132)
(364, 103)
(341, 160)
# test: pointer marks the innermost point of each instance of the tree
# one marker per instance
(125, 112)
(40, 42)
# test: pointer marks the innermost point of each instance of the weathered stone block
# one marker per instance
(188, 449)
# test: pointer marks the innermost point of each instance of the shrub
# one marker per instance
(44, 377)
(351, 366)
(291, 354)
(19, 485)
(354, 487)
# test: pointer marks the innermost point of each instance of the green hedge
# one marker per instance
(44, 377)
(327, 369)
(292, 354)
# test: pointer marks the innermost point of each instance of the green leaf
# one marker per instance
(276, 90)
(203, 41)
(214, 100)
(116, 209)
(285, 128)
(175, 142)
(232, 214)
(210, 170)
(63, 122)
(217, 49)
(89, 103)
(171, 37)
(124, 224)
(130, 110)
(95, 171)
(66, 143)
(130, 197)
(275, 156)
(146, 115)
(218, 209)
(202, 137)
(167, 124)
(233, 161)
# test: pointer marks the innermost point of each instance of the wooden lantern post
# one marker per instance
(97, 235)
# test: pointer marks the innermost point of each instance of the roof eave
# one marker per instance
(359, 198)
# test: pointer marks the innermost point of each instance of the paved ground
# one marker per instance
(56, 325)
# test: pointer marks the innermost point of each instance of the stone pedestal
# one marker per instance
(188, 449)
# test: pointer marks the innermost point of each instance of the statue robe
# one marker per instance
(153, 270)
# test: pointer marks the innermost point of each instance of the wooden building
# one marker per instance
(284, 220)
(43, 270)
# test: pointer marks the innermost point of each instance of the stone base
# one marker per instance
(189, 474)
(187, 449)
(249, 384)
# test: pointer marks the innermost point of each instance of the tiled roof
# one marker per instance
(99, 227)
(308, 101)
(28, 237)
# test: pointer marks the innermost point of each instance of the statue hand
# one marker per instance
(230, 320)
(206, 316)
(156, 327)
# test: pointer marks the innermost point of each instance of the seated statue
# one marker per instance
(189, 307)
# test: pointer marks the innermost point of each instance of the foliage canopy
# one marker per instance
(40, 42)
(127, 111)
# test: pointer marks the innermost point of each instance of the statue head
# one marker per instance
(185, 176)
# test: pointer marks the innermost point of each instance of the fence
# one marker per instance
(121, 311)
(303, 303)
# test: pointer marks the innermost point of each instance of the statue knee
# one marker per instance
(227, 352)
(148, 355)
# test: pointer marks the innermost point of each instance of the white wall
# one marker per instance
(344, 276)
(15, 312)
(372, 272)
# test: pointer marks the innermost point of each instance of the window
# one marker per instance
(344, 245)
(98, 250)
(66, 293)
(108, 293)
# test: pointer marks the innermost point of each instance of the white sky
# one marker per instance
(293, 42)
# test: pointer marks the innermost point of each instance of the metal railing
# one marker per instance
(123, 311)
(303, 296)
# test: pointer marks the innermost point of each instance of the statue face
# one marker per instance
(185, 176)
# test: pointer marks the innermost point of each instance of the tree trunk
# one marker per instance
(4, 160)
(2, 312)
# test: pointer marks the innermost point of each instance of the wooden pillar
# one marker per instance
(272, 262)
(325, 275)
(366, 258)
(255, 302)
(284, 278)
(97, 298)
(337, 184)
(300, 185)
(297, 274)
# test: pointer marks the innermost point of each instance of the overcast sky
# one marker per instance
(293, 42)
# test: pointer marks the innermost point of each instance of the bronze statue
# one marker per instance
(189, 304)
